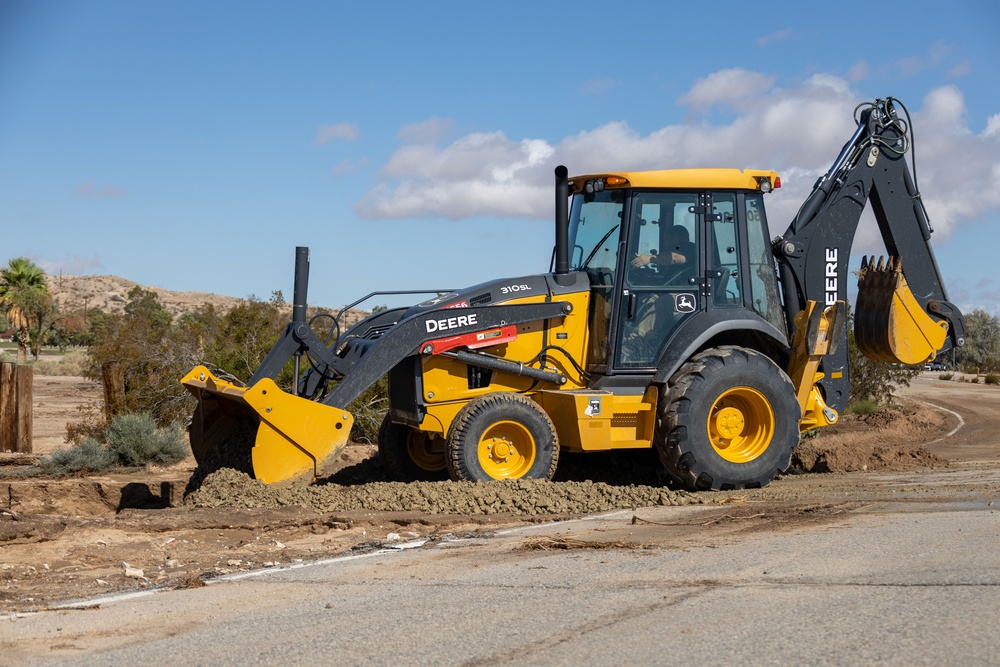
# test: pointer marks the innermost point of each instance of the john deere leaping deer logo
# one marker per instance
(684, 303)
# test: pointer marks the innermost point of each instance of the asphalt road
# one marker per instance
(911, 585)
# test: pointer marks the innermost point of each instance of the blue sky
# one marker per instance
(193, 145)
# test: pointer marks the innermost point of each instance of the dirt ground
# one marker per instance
(63, 540)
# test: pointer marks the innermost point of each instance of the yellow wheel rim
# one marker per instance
(426, 452)
(507, 450)
(740, 424)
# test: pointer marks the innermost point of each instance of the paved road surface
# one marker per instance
(884, 585)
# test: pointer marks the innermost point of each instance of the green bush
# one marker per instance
(369, 410)
(992, 378)
(88, 455)
(134, 441)
(864, 406)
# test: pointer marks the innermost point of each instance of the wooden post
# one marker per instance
(16, 408)
(114, 388)
(25, 418)
(8, 407)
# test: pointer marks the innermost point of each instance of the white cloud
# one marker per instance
(958, 171)
(72, 265)
(597, 86)
(992, 126)
(338, 132)
(797, 131)
(479, 174)
(777, 36)
(349, 166)
(858, 71)
(726, 86)
(91, 190)
(426, 132)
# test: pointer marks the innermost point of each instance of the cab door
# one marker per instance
(724, 277)
(662, 268)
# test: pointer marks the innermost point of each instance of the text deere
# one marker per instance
(451, 323)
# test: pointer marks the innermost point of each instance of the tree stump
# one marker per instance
(114, 388)
(15, 408)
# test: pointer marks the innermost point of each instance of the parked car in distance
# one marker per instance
(935, 366)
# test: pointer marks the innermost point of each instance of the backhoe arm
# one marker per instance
(903, 314)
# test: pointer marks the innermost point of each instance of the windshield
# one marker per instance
(594, 223)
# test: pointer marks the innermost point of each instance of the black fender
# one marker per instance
(702, 328)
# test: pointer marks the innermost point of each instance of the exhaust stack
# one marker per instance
(562, 223)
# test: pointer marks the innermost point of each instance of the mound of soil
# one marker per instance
(230, 488)
(882, 440)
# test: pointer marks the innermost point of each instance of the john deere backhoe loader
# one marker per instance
(668, 321)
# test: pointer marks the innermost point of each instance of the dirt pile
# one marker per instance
(229, 488)
(882, 440)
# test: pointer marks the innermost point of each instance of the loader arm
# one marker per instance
(284, 436)
(903, 314)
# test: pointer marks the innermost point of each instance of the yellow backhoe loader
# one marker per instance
(669, 320)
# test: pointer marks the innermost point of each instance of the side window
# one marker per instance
(763, 278)
(726, 252)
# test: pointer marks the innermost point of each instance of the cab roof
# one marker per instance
(729, 179)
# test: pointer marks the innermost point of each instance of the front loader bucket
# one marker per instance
(263, 430)
(889, 324)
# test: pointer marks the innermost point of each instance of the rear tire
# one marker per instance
(502, 436)
(729, 419)
(410, 455)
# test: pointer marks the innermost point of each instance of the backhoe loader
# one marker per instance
(668, 320)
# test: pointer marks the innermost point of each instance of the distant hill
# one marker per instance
(110, 294)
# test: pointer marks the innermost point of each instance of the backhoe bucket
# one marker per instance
(889, 324)
(263, 430)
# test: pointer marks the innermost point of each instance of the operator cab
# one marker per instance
(672, 256)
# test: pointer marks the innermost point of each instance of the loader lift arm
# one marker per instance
(299, 433)
(903, 313)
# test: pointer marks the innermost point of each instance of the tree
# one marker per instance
(22, 283)
(981, 351)
(239, 340)
(42, 314)
(140, 343)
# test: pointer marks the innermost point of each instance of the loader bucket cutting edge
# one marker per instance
(890, 325)
(294, 438)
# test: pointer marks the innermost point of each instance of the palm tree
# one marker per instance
(18, 280)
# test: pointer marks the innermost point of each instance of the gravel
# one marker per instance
(230, 488)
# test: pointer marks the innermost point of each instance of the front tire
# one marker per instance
(502, 436)
(410, 455)
(729, 419)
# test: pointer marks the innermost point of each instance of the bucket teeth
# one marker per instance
(889, 324)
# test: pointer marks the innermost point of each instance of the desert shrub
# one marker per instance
(974, 379)
(73, 363)
(88, 454)
(135, 440)
(369, 410)
(875, 380)
(864, 406)
(992, 378)
(946, 376)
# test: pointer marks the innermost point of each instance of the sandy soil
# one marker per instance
(67, 539)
